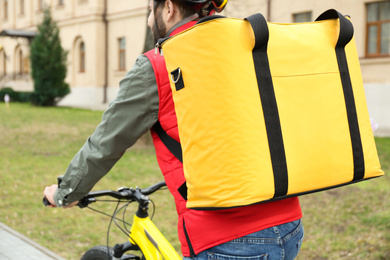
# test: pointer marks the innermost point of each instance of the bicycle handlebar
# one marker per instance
(153, 188)
(46, 202)
(123, 193)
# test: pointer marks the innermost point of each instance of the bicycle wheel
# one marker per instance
(104, 253)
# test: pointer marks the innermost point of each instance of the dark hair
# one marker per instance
(185, 10)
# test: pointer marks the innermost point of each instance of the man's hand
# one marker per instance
(49, 195)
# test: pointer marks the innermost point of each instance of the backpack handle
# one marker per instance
(260, 29)
(345, 36)
(269, 104)
(346, 27)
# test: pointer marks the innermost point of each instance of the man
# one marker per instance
(265, 231)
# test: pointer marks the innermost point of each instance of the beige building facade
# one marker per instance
(104, 37)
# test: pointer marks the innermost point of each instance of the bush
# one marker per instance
(24, 97)
(15, 96)
(8, 91)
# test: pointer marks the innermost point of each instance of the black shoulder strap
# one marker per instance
(175, 148)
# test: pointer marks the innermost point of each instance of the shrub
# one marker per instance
(15, 96)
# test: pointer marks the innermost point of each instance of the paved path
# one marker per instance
(15, 246)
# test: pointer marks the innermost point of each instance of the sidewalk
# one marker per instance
(14, 245)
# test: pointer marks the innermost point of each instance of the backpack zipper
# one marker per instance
(158, 46)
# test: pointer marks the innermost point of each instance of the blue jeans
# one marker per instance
(276, 243)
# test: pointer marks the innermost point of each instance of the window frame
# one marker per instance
(21, 7)
(82, 57)
(294, 16)
(20, 61)
(41, 5)
(5, 14)
(378, 24)
(4, 57)
(121, 54)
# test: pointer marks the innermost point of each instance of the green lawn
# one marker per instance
(37, 144)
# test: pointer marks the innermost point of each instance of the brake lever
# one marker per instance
(84, 202)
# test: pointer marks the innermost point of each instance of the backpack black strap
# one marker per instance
(345, 36)
(269, 104)
(175, 148)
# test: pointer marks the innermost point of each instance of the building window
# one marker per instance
(5, 9)
(21, 6)
(302, 17)
(20, 62)
(26, 65)
(3, 62)
(60, 2)
(378, 29)
(82, 57)
(40, 4)
(122, 53)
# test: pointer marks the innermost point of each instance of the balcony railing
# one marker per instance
(14, 76)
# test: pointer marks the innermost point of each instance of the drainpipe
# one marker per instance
(105, 23)
(269, 11)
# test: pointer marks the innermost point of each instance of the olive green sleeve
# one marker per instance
(128, 117)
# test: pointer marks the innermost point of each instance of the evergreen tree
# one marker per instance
(48, 64)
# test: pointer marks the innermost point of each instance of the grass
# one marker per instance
(37, 144)
(351, 222)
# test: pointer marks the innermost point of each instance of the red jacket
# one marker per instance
(200, 230)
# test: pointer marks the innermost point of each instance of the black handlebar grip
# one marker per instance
(46, 202)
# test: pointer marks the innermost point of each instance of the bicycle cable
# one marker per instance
(124, 230)
(124, 222)
(112, 218)
(108, 229)
(105, 214)
(154, 209)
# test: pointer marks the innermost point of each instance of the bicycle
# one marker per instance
(144, 236)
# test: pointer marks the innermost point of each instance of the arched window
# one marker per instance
(3, 63)
(20, 61)
(21, 6)
(5, 9)
(18, 58)
(40, 4)
(82, 57)
(122, 53)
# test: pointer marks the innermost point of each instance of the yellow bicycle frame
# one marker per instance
(150, 240)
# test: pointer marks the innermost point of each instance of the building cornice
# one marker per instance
(94, 17)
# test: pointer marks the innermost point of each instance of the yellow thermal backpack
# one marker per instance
(268, 111)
